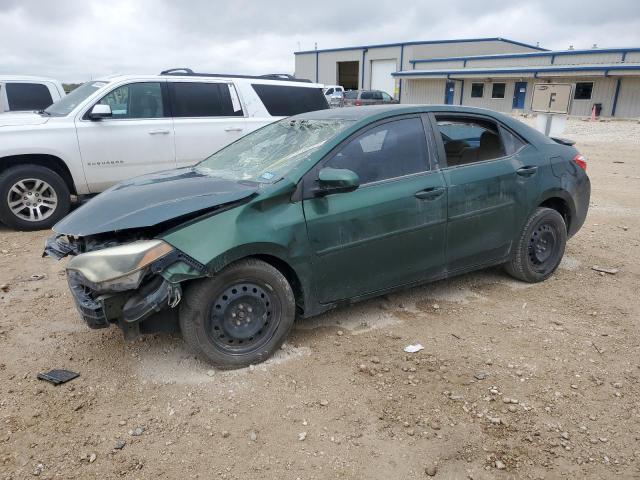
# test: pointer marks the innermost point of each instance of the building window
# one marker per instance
(498, 90)
(583, 91)
(477, 90)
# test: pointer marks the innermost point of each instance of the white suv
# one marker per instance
(120, 127)
(23, 93)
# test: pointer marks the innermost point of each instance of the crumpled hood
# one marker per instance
(151, 199)
(17, 119)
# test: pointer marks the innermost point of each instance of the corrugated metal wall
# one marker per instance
(629, 98)
(424, 91)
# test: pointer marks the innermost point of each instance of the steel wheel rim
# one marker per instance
(243, 318)
(32, 199)
(543, 247)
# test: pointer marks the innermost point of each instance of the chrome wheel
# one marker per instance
(32, 200)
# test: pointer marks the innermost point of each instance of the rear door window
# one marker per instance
(367, 96)
(200, 99)
(28, 96)
(286, 100)
(470, 140)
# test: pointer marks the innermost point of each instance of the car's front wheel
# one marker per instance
(540, 247)
(239, 317)
(32, 197)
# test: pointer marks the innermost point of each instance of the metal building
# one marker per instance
(493, 73)
(372, 66)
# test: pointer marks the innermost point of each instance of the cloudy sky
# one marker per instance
(76, 40)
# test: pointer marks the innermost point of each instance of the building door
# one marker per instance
(381, 78)
(449, 92)
(348, 74)
(519, 94)
(628, 105)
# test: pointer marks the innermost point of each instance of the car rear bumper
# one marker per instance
(581, 197)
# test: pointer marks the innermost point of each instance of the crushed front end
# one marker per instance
(134, 283)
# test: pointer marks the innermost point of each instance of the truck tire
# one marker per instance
(538, 251)
(239, 317)
(32, 197)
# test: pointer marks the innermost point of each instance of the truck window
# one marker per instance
(199, 99)
(285, 100)
(136, 100)
(28, 96)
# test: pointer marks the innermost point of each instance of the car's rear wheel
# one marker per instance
(239, 317)
(540, 247)
(32, 197)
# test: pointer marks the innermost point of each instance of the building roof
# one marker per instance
(425, 42)
(547, 53)
(605, 68)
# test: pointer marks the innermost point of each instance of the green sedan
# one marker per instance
(317, 210)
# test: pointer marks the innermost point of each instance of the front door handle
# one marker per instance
(233, 129)
(527, 171)
(430, 193)
(158, 132)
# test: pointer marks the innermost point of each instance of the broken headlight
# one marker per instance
(118, 268)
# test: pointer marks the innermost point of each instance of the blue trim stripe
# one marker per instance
(535, 70)
(401, 67)
(426, 42)
(551, 54)
(615, 97)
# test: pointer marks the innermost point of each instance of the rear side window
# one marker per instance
(470, 140)
(367, 96)
(351, 95)
(285, 100)
(393, 149)
(199, 99)
(28, 96)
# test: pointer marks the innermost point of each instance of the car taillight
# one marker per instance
(581, 161)
(358, 103)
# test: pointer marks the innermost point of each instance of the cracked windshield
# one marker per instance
(267, 154)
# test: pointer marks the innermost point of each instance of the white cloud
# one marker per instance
(75, 40)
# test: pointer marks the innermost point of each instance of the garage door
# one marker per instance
(629, 98)
(381, 78)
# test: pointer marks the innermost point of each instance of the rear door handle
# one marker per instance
(430, 193)
(233, 129)
(158, 132)
(527, 171)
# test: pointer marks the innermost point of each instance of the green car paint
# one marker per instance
(335, 236)
(378, 237)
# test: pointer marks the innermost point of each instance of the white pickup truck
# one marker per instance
(20, 93)
(119, 127)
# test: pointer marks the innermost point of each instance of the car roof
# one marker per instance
(204, 78)
(26, 78)
(381, 111)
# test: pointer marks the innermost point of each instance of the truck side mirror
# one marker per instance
(100, 111)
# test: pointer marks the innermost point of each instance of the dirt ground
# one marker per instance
(515, 380)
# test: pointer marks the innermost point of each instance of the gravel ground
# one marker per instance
(515, 380)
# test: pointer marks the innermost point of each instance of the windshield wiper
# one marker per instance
(44, 112)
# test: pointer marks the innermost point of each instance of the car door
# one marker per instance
(207, 115)
(390, 231)
(137, 139)
(489, 183)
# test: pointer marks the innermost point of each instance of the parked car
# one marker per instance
(24, 93)
(317, 210)
(330, 90)
(356, 98)
(119, 127)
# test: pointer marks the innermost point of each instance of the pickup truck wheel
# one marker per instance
(32, 197)
(239, 317)
(540, 247)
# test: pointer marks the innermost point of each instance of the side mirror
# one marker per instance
(100, 111)
(335, 180)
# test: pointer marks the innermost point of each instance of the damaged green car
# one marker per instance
(316, 210)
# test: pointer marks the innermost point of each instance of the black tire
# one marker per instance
(54, 187)
(239, 317)
(540, 247)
